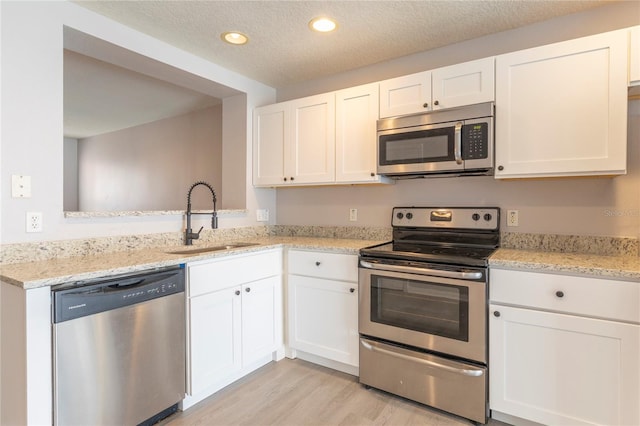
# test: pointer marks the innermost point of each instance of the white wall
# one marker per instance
(32, 128)
(588, 206)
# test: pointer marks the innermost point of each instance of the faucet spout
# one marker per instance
(189, 235)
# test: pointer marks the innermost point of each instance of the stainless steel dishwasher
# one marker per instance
(119, 349)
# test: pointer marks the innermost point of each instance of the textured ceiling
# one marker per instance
(282, 50)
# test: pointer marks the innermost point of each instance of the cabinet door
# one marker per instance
(270, 126)
(214, 338)
(463, 84)
(323, 318)
(562, 369)
(261, 318)
(634, 60)
(409, 94)
(313, 140)
(561, 109)
(356, 148)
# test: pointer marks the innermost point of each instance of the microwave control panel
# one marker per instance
(475, 141)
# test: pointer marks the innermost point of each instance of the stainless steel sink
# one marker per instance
(198, 250)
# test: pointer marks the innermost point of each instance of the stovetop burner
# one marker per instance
(458, 236)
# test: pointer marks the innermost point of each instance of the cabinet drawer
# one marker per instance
(323, 265)
(593, 297)
(235, 270)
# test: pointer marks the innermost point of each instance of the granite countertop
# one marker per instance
(44, 273)
(615, 267)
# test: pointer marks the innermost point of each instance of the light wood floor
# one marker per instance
(296, 392)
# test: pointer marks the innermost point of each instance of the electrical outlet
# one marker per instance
(262, 215)
(353, 215)
(34, 222)
(512, 217)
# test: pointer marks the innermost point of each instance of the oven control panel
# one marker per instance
(485, 218)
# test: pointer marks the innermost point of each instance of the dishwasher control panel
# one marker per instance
(92, 297)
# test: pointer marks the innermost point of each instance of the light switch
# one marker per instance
(20, 186)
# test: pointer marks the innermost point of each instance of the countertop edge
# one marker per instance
(625, 268)
(125, 262)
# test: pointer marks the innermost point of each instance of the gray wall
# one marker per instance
(150, 167)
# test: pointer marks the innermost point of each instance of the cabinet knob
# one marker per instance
(425, 105)
(501, 168)
(372, 174)
(285, 179)
(318, 263)
(291, 177)
(436, 103)
(351, 290)
(237, 292)
(248, 289)
(496, 314)
(560, 293)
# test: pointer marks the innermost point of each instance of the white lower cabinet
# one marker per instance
(552, 362)
(234, 319)
(322, 299)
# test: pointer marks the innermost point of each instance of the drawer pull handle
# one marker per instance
(496, 314)
(317, 263)
(237, 292)
(351, 290)
(248, 289)
(560, 293)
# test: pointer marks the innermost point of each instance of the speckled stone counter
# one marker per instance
(615, 267)
(51, 272)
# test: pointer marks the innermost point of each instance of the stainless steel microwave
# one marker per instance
(455, 141)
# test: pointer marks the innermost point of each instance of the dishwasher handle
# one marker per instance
(112, 293)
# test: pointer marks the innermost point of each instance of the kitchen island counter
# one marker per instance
(44, 273)
(614, 267)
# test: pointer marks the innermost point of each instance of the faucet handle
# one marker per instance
(199, 231)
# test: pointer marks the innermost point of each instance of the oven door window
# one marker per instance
(423, 146)
(437, 309)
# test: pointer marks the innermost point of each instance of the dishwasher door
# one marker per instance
(125, 364)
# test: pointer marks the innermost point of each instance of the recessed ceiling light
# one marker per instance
(323, 25)
(234, 37)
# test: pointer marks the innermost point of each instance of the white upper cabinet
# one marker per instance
(356, 116)
(294, 142)
(634, 62)
(456, 85)
(463, 84)
(408, 94)
(270, 126)
(561, 109)
(313, 141)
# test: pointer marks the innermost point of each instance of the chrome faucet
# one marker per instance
(189, 235)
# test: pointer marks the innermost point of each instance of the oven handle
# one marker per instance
(462, 371)
(463, 275)
(457, 149)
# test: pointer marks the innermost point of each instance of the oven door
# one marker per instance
(420, 149)
(443, 311)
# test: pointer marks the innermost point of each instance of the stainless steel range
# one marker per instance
(424, 305)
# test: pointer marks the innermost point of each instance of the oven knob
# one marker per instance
(399, 215)
(475, 216)
(487, 217)
(409, 215)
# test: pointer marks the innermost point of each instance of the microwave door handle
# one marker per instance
(462, 275)
(457, 142)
